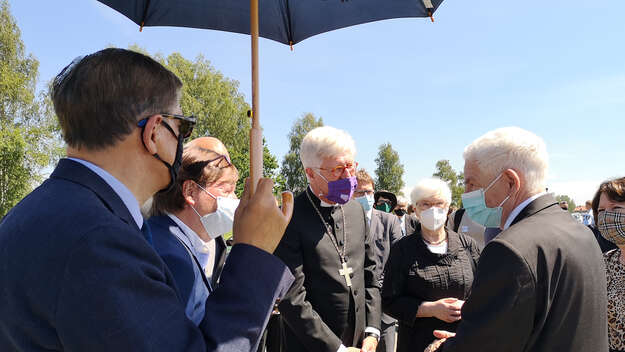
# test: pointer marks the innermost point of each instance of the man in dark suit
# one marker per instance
(385, 229)
(77, 270)
(190, 219)
(540, 284)
(335, 300)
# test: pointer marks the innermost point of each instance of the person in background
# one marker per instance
(588, 218)
(430, 272)
(385, 230)
(540, 284)
(384, 201)
(401, 210)
(608, 207)
(190, 219)
(77, 269)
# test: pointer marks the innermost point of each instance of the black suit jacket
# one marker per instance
(76, 274)
(540, 286)
(319, 308)
(386, 230)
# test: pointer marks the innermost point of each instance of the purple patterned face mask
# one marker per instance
(341, 191)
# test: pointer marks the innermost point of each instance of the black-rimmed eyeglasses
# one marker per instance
(185, 128)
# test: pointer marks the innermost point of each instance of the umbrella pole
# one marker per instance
(256, 134)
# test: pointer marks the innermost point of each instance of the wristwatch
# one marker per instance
(372, 334)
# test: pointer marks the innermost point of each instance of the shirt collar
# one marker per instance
(129, 199)
(196, 242)
(321, 202)
(515, 212)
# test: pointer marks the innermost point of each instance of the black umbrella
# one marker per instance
(285, 21)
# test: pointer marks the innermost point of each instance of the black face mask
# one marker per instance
(175, 167)
(400, 212)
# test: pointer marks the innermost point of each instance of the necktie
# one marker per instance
(145, 230)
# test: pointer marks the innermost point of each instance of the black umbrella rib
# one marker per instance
(289, 30)
(145, 13)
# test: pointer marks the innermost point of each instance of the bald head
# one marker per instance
(206, 144)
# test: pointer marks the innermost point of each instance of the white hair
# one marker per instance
(402, 200)
(430, 187)
(323, 142)
(511, 148)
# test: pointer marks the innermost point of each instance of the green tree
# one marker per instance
(389, 171)
(221, 111)
(455, 180)
(568, 200)
(29, 138)
(292, 170)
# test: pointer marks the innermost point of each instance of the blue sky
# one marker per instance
(556, 68)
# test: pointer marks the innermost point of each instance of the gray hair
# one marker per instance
(323, 142)
(430, 187)
(511, 148)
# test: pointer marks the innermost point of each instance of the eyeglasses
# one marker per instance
(427, 205)
(337, 171)
(186, 124)
(220, 161)
(360, 193)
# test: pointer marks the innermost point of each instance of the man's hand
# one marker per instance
(369, 344)
(353, 349)
(446, 309)
(258, 221)
(442, 336)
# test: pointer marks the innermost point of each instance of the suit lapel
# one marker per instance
(78, 173)
(535, 206)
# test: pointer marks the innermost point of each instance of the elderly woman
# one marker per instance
(429, 273)
(608, 207)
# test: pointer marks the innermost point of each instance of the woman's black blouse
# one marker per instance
(413, 274)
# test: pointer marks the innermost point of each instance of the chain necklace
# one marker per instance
(344, 270)
(329, 229)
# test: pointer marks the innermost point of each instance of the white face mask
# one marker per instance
(433, 218)
(219, 222)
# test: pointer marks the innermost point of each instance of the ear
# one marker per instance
(310, 174)
(150, 133)
(513, 179)
(188, 188)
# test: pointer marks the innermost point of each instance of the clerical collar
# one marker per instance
(321, 202)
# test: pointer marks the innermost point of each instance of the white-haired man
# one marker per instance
(334, 302)
(541, 283)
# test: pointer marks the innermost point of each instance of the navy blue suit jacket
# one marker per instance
(76, 274)
(176, 256)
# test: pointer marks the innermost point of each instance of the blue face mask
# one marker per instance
(366, 201)
(474, 204)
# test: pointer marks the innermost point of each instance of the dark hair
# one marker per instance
(99, 98)
(363, 177)
(197, 167)
(613, 189)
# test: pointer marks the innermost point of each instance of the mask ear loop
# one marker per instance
(205, 190)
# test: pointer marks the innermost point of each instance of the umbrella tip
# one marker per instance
(141, 27)
(431, 15)
(291, 44)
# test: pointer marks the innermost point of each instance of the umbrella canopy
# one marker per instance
(285, 21)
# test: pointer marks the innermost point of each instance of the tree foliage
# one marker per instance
(389, 171)
(568, 200)
(455, 180)
(221, 111)
(29, 138)
(292, 170)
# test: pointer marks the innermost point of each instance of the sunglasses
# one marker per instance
(186, 124)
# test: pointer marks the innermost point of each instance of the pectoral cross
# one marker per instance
(345, 272)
